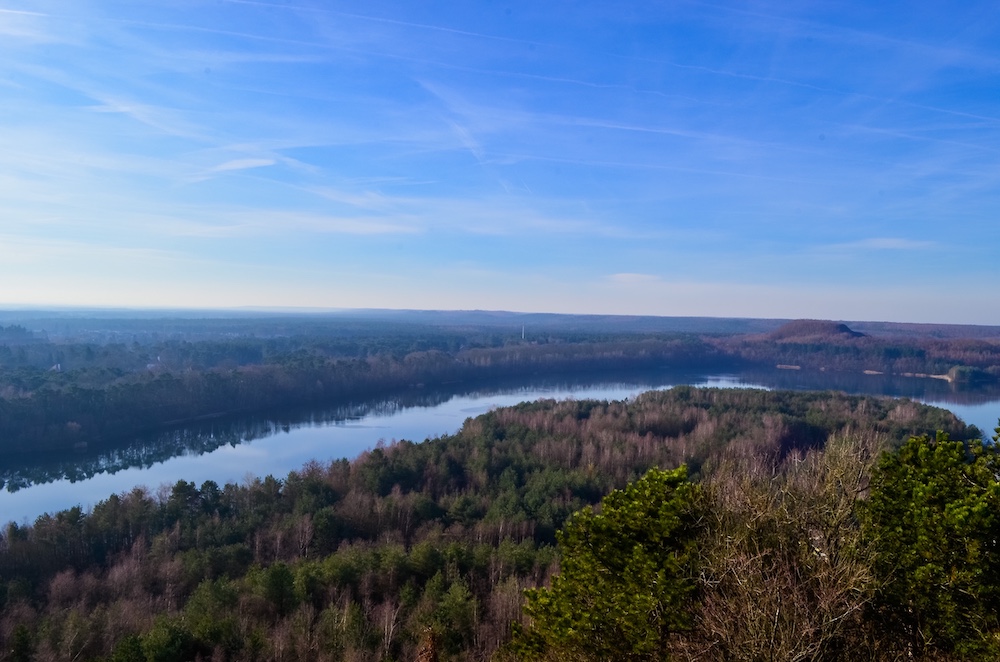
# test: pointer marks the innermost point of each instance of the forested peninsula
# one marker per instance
(425, 549)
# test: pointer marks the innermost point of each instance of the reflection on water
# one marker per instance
(225, 451)
(916, 388)
(206, 437)
(196, 439)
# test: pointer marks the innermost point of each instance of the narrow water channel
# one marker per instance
(232, 451)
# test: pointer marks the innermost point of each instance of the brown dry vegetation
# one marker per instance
(427, 547)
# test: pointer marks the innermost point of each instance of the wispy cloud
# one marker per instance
(20, 12)
(242, 164)
(895, 133)
(165, 120)
(627, 150)
(258, 223)
(387, 21)
(25, 26)
(468, 141)
(19, 249)
(634, 279)
(885, 244)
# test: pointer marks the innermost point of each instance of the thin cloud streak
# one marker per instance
(242, 164)
(21, 249)
(388, 21)
(886, 243)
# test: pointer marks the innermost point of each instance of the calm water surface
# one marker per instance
(231, 452)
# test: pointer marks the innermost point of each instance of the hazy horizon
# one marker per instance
(485, 317)
(766, 161)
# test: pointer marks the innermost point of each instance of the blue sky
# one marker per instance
(767, 159)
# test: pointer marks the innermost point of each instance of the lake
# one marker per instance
(230, 451)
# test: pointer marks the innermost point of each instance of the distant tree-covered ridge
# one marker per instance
(16, 335)
(60, 395)
(430, 545)
(824, 345)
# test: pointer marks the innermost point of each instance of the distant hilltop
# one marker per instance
(803, 330)
(142, 325)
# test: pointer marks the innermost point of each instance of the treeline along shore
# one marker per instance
(422, 551)
(62, 409)
(65, 393)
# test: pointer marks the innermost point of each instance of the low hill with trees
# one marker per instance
(813, 331)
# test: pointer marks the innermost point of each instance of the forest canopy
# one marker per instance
(430, 546)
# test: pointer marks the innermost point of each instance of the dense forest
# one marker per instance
(423, 551)
(100, 383)
(687, 524)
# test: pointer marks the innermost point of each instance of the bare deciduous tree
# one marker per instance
(785, 577)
